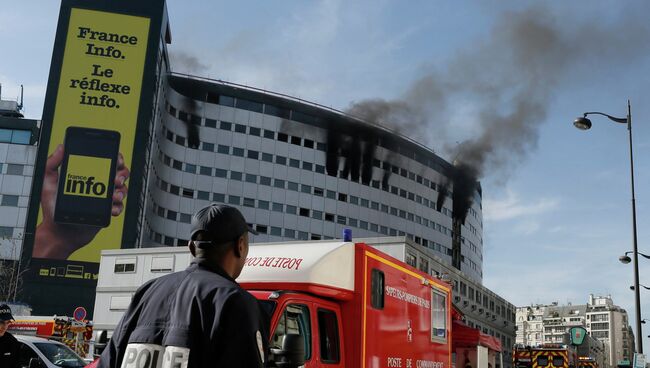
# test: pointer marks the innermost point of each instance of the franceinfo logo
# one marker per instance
(87, 176)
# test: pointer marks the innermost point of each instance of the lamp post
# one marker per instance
(583, 123)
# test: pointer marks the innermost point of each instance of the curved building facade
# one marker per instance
(298, 170)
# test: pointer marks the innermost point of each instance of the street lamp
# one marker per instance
(643, 286)
(583, 123)
(625, 259)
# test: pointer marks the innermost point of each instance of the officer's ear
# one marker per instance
(192, 247)
(240, 246)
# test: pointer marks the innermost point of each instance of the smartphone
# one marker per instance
(87, 177)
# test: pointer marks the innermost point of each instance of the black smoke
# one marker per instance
(500, 90)
(192, 121)
(353, 146)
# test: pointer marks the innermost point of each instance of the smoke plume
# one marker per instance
(503, 86)
(186, 63)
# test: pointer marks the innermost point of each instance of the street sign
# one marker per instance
(80, 314)
(577, 335)
(639, 360)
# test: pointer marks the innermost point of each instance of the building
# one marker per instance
(301, 171)
(121, 272)
(18, 138)
(609, 323)
(604, 322)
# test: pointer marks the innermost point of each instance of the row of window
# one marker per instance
(292, 210)
(9, 200)
(15, 136)
(289, 185)
(283, 137)
(315, 214)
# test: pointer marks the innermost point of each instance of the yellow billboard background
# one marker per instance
(109, 48)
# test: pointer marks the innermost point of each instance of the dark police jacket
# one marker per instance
(9, 351)
(199, 317)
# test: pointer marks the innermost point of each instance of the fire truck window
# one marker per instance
(328, 328)
(542, 361)
(26, 353)
(558, 361)
(377, 289)
(294, 320)
(438, 316)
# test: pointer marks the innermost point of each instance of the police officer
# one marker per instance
(9, 346)
(199, 317)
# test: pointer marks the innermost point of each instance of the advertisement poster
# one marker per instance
(86, 177)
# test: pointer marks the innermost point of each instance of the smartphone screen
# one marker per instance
(86, 177)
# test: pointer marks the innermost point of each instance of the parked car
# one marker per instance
(36, 352)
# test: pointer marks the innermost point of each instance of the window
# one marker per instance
(291, 209)
(239, 152)
(235, 175)
(329, 336)
(288, 233)
(424, 265)
(282, 137)
(218, 197)
(254, 131)
(171, 215)
(210, 123)
(226, 101)
(190, 168)
(276, 111)
(120, 302)
(186, 218)
(267, 157)
(220, 173)
(354, 200)
(305, 188)
(263, 204)
(304, 212)
(223, 149)
(9, 200)
(188, 193)
(249, 202)
(253, 154)
(281, 160)
(162, 264)
(329, 217)
(292, 186)
(296, 140)
(438, 316)
(331, 194)
(265, 180)
(307, 166)
(343, 197)
(318, 215)
(204, 170)
(276, 231)
(278, 183)
(262, 229)
(269, 134)
(377, 289)
(294, 163)
(278, 207)
(14, 169)
(308, 143)
(233, 200)
(320, 169)
(251, 178)
(240, 128)
(294, 320)
(411, 259)
(318, 191)
(342, 220)
(180, 140)
(248, 105)
(6, 232)
(124, 265)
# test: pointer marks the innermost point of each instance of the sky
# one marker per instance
(507, 78)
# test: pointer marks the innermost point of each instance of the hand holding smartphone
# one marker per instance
(83, 186)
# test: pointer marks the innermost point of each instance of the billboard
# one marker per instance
(98, 108)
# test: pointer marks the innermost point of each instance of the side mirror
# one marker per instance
(35, 363)
(292, 354)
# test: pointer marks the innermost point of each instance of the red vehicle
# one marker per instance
(335, 304)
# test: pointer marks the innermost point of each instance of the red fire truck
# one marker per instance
(346, 304)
